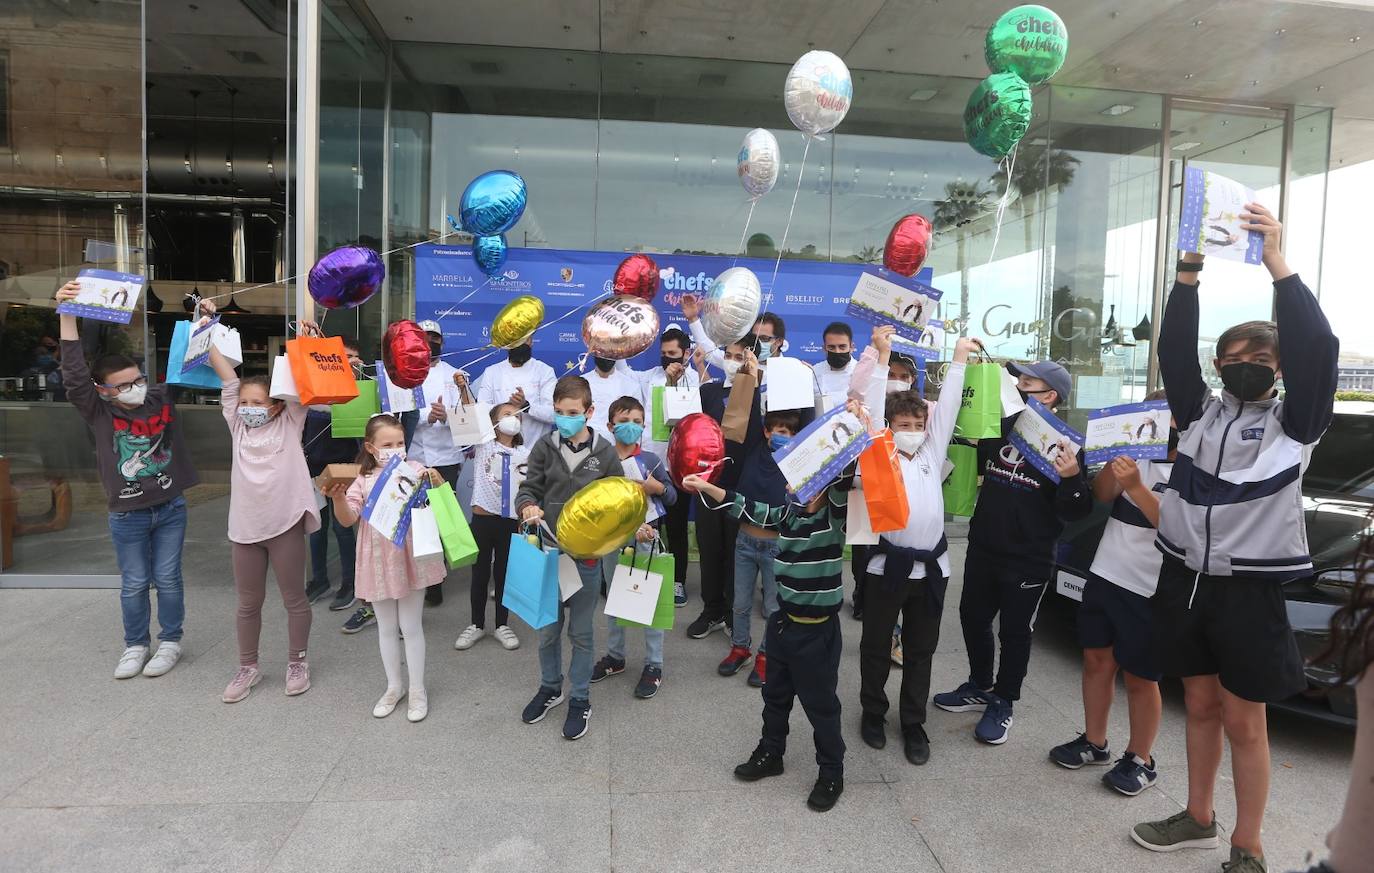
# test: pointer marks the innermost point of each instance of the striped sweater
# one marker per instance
(810, 551)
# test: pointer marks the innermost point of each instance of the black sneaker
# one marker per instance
(703, 626)
(434, 595)
(825, 792)
(917, 745)
(1131, 775)
(649, 682)
(760, 765)
(579, 718)
(343, 600)
(872, 731)
(1078, 752)
(544, 700)
(858, 612)
(607, 666)
(359, 620)
(316, 590)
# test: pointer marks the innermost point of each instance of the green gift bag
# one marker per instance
(350, 419)
(460, 549)
(980, 409)
(961, 487)
(663, 565)
(659, 431)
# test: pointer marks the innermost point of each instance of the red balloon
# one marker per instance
(405, 354)
(637, 275)
(907, 244)
(696, 446)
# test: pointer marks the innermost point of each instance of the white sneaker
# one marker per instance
(506, 637)
(166, 658)
(131, 662)
(387, 704)
(469, 637)
(419, 706)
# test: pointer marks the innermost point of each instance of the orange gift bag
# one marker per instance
(320, 367)
(883, 489)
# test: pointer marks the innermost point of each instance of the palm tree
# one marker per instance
(870, 255)
(964, 203)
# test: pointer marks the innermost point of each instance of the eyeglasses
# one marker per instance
(140, 382)
(764, 339)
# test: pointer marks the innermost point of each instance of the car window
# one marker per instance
(1343, 462)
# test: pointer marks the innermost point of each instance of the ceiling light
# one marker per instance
(1118, 109)
(921, 95)
(1184, 146)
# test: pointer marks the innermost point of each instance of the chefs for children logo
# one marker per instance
(334, 363)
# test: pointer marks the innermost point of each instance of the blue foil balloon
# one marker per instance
(490, 253)
(492, 203)
(346, 277)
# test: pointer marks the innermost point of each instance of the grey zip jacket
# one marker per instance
(549, 483)
(1233, 506)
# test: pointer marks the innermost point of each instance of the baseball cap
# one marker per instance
(429, 326)
(1051, 373)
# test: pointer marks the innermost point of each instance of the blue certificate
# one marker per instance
(1039, 436)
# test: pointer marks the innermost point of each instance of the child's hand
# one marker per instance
(68, 291)
(531, 514)
(652, 487)
(435, 477)
(691, 308)
(751, 364)
(208, 307)
(965, 347)
(335, 491)
(882, 338)
(692, 482)
(1127, 473)
(699, 361)
(310, 328)
(1066, 461)
(645, 534)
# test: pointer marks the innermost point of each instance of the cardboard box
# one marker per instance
(337, 474)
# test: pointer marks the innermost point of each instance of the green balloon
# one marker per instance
(1030, 41)
(998, 114)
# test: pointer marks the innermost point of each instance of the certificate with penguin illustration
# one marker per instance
(397, 490)
(1039, 436)
(885, 298)
(1135, 430)
(105, 296)
(817, 455)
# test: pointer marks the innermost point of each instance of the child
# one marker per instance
(1232, 533)
(271, 511)
(909, 568)
(390, 577)
(144, 468)
(560, 464)
(626, 422)
(497, 469)
(1010, 558)
(1114, 624)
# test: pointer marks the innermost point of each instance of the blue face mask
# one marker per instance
(569, 426)
(765, 352)
(628, 433)
(778, 440)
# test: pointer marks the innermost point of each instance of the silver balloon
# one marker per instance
(760, 161)
(620, 327)
(732, 305)
(817, 92)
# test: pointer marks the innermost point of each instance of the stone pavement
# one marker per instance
(158, 775)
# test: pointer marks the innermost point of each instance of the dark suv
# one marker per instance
(1338, 497)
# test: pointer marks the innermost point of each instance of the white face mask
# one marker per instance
(731, 367)
(133, 396)
(253, 416)
(909, 441)
(509, 425)
(897, 385)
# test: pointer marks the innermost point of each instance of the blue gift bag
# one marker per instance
(196, 377)
(532, 582)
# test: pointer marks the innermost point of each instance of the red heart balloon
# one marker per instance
(907, 244)
(405, 354)
(696, 446)
(637, 275)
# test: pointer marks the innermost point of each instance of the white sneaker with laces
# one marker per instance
(387, 704)
(419, 706)
(131, 662)
(166, 658)
(469, 637)
(506, 637)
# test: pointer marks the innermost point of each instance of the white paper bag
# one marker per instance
(680, 402)
(1011, 397)
(858, 530)
(569, 580)
(226, 339)
(471, 425)
(827, 402)
(283, 383)
(424, 533)
(633, 593)
(790, 384)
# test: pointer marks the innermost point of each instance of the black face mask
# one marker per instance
(435, 349)
(1025, 395)
(1246, 381)
(837, 360)
(666, 362)
(605, 365)
(519, 355)
(1173, 439)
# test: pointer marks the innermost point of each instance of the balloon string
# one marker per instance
(739, 250)
(782, 248)
(440, 316)
(1008, 165)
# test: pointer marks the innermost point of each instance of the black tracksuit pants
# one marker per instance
(804, 664)
(492, 534)
(716, 532)
(920, 636)
(674, 524)
(993, 586)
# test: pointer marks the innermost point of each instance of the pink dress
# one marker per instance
(386, 571)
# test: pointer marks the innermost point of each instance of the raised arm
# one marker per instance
(1178, 364)
(76, 373)
(942, 420)
(691, 310)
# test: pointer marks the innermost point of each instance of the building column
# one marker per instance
(307, 174)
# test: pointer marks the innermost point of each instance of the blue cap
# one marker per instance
(1051, 373)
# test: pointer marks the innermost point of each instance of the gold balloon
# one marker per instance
(516, 321)
(601, 517)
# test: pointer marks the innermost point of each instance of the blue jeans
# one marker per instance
(148, 548)
(581, 609)
(615, 633)
(346, 537)
(753, 557)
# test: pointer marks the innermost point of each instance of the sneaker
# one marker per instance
(761, 764)
(857, 610)
(607, 666)
(1244, 862)
(166, 658)
(759, 674)
(386, 704)
(649, 682)
(995, 725)
(679, 595)
(824, 794)
(506, 637)
(434, 595)
(469, 637)
(966, 698)
(544, 700)
(316, 590)
(418, 708)
(579, 718)
(897, 645)
(359, 620)
(343, 600)
(916, 745)
(735, 661)
(131, 662)
(242, 683)
(297, 678)
(1131, 774)
(873, 731)
(1178, 831)
(1076, 753)
(703, 626)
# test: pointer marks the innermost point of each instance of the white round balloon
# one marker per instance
(818, 92)
(732, 305)
(760, 161)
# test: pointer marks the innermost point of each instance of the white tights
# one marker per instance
(396, 617)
